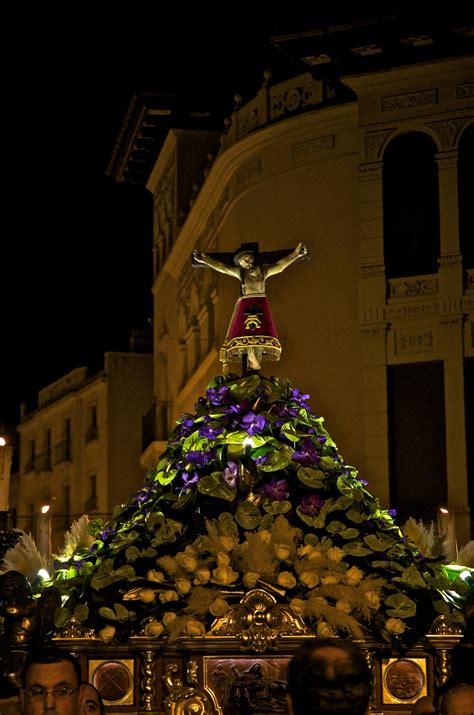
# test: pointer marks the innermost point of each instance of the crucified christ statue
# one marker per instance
(251, 335)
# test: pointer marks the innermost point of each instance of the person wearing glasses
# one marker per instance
(51, 683)
(91, 700)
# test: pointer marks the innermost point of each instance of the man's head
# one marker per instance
(423, 706)
(91, 700)
(51, 683)
(458, 700)
(329, 677)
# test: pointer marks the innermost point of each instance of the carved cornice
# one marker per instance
(410, 287)
(374, 142)
(372, 269)
(258, 621)
(450, 259)
(410, 100)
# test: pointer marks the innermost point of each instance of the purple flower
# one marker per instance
(230, 475)
(142, 496)
(185, 427)
(108, 531)
(198, 458)
(284, 410)
(189, 478)
(311, 504)
(299, 397)
(217, 397)
(261, 459)
(207, 430)
(306, 454)
(79, 564)
(253, 423)
(364, 482)
(392, 513)
(277, 489)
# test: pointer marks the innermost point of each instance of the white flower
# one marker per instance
(343, 606)
(286, 579)
(353, 576)
(373, 599)
(265, 536)
(168, 618)
(107, 633)
(223, 559)
(153, 629)
(156, 576)
(250, 579)
(224, 575)
(195, 628)
(219, 607)
(201, 577)
(309, 551)
(335, 554)
(309, 578)
(324, 630)
(330, 580)
(183, 586)
(187, 562)
(168, 596)
(282, 551)
(147, 595)
(394, 625)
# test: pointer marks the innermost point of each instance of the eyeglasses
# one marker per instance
(59, 692)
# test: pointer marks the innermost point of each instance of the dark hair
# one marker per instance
(48, 655)
(328, 676)
(99, 696)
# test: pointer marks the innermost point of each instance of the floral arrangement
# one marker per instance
(251, 491)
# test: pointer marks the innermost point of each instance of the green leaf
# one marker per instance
(248, 515)
(166, 477)
(356, 549)
(411, 577)
(236, 437)
(266, 522)
(244, 388)
(288, 430)
(107, 613)
(335, 527)
(277, 507)
(61, 615)
(355, 515)
(148, 553)
(329, 463)
(214, 486)
(121, 611)
(81, 612)
(400, 606)
(378, 543)
(442, 607)
(311, 477)
(132, 553)
(276, 461)
(350, 533)
(343, 502)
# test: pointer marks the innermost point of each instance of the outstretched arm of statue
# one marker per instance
(217, 265)
(284, 262)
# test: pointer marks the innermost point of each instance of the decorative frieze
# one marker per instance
(414, 341)
(410, 287)
(414, 310)
(451, 323)
(372, 269)
(249, 170)
(465, 91)
(448, 130)
(370, 172)
(373, 332)
(295, 94)
(450, 259)
(304, 150)
(374, 142)
(410, 100)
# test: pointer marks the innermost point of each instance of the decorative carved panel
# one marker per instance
(374, 142)
(409, 101)
(305, 150)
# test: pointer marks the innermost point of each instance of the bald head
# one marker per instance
(458, 700)
(423, 706)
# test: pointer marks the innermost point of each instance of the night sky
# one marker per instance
(76, 247)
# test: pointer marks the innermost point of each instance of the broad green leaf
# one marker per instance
(355, 515)
(442, 607)
(214, 486)
(166, 477)
(356, 549)
(411, 577)
(400, 606)
(244, 388)
(378, 543)
(121, 611)
(328, 463)
(107, 613)
(236, 437)
(248, 515)
(266, 522)
(132, 553)
(343, 502)
(276, 461)
(277, 507)
(350, 533)
(311, 477)
(335, 527)
(61, 615)
(81, 612)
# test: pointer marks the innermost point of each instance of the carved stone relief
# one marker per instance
(374, 142)
(305, 150)
(465, 91)
(448, 130)
(409, 287)
(409, 101)
(414, 341)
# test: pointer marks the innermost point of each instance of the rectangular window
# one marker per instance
(92, 503)
(417, 440)
(92, 431)
(31, 456)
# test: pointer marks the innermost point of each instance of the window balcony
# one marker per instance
(43, 462)
(63, 452)
(91, 434)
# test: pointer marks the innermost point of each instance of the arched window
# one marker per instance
(466, 204)
(410, 206)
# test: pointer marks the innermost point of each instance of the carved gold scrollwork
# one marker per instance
(443, 636)
(73, 628)
(183, 699)
(258, 620)
(147, 681)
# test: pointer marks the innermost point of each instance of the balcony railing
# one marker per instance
(63, 452)
(91, 434)
(155, 424)
(30, 465)
(43, 462)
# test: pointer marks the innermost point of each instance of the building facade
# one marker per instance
(372, 174)
(80, 449)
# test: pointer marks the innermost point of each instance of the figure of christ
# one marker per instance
(251, 335)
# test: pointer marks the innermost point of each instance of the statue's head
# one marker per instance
(245, 260)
